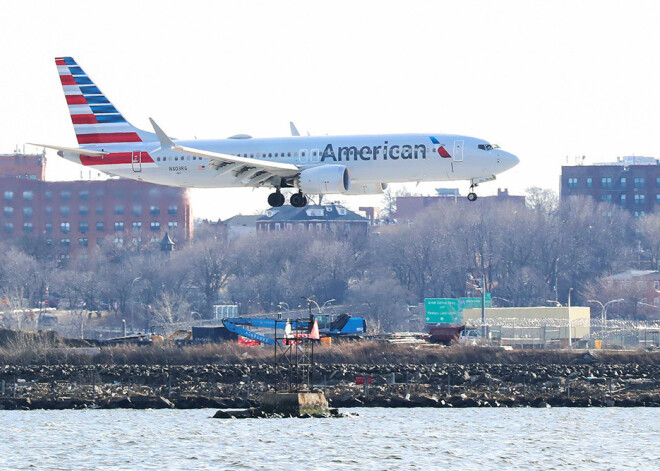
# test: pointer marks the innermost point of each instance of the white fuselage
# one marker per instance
(369, 158)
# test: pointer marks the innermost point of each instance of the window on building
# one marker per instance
(27, 212)
(48, 196)
(622, 182)
(172, 210)
(590, 182)
(657, 182)
(119, 241)
(48, 227)
(28, 195)
(606, 198)
(83, 195)
(656, 285)
(9, 211)
(119, 226)
(154, 210)
(99, 226)
(65, 195)
(99, 210)
(9, 227)
(657, 198)
(155, 226)
(606, 182)
(623, 200)
(65, 242)
(83, 242)
(572, 182)
(27, 227)
(65, 227)
(83, 227)
(65, 211)
(48, 210)
(137, 210)
(640, 200)
(83, 211)
(9, 195)
(119, 209)
(99, 194)
(639, 182)
(639, 213)
(137, 225)
(172, 225)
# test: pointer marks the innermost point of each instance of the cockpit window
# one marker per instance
(485, 147)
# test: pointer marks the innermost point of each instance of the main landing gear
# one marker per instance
(297, 200)
(276, 199)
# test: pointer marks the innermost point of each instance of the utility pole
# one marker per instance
(483, 307)
(570, 335)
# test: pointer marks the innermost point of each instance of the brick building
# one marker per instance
(632, 183)
(407, 207)
(642, 284)
(75, 215)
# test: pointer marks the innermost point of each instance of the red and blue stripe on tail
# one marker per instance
(95, 119)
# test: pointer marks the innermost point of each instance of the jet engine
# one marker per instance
(324, 179)
(366, 189)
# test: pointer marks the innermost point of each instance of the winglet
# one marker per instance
(294, 130)
(165, 142)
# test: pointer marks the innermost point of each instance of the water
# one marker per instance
(379, 439)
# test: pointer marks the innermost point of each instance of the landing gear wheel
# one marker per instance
(472, 197)
(298, 200)
(276, 199)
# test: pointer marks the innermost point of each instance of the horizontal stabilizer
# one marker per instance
(73, 150)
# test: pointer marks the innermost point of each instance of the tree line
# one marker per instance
(526, 255)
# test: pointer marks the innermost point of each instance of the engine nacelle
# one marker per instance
(324, 179)
(366, 189)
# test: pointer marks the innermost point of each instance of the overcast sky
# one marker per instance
(548, 81)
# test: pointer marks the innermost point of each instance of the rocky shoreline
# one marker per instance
(590, 384)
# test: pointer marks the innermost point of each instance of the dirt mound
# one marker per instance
(18, 339)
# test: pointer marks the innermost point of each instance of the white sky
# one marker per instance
(545, 80)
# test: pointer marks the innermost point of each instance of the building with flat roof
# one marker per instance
(407, 207)
(631, 183)
(534, 327)
(72, 216)
(23, 166)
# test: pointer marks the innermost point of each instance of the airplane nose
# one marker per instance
(509, 160)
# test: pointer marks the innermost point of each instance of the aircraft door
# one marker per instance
(458, 151)
(136, 161)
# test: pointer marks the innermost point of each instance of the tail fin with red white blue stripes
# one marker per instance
(95, 119)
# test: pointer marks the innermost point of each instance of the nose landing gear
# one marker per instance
(472, 196)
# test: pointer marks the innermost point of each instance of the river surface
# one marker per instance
(378, 439)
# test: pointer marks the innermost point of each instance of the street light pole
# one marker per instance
(603, 312)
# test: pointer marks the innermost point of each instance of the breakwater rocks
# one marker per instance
(387, 385)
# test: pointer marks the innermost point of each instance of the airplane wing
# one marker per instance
(246, 170)
(73, 150)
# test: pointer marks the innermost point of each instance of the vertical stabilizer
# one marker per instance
(95, 119)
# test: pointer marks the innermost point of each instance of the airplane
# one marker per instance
(314, 165)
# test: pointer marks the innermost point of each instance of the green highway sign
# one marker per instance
(442, 310)
(450, 310)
